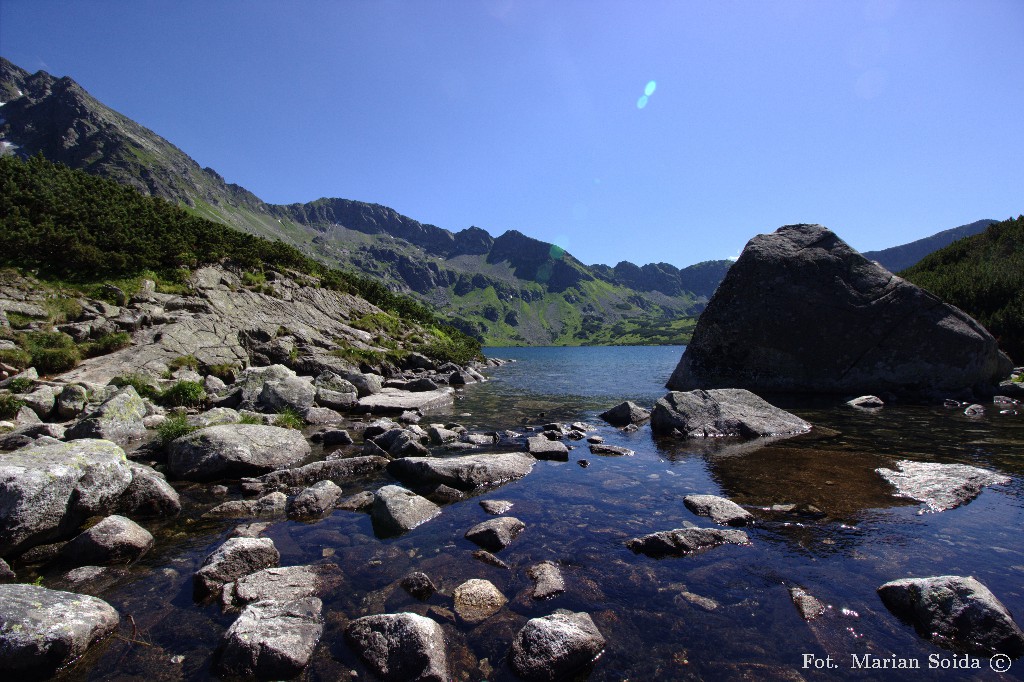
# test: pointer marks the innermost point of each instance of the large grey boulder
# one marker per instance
(289, 393)
(270, 506)
(625, 413)
(335, 392)
(149, 494)
(41, 401)
(114, 540)
(118, 419)
(71, 401)
(47, 491)
(272, 639)
(556, 646)
(719, 509)
(685, 541)
(496, 534)
(940, 486)
(464, 473)
(43, 630)
(236, 558)
(400, 647)
(955, 612)
(315, 500)
(722, 412)
(336, 470)
(395, 401)
(281, 584)
(235, 450)
(801, 311)
(397, 510)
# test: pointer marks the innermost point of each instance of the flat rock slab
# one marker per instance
(720, 510)
(543, 448)
(395, 401)
(610, 450)
(477, 600)
(397, 510)
(685, 541)
(336, 470)
(721, 412)
(955, 612)
(42, 630)
(285, 583)
(273, 639)
(236, 558)
(47, 491)
(467, 472)
(400, 647)
(556, 646)
(496, 534)
(235, 450)
(548, 581)
(496, 507)
(940, 486)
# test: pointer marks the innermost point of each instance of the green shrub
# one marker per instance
(250, 419)
(20, 385)
(15, 357)
(289, 419)
(107, 343)
(174, 427)
(9, 405)
(181, 361)
(63, 309)
(253, 279)
(142, 384)
(18, 320)
(55, 360)
(184, 394)
(225, 371)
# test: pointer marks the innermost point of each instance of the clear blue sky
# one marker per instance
(886, 120)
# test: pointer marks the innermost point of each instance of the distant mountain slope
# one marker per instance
(901, 257)
(506, 290)
(984, 276)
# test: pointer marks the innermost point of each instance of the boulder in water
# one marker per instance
(722, 412)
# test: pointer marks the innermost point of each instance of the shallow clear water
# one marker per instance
(723, 614)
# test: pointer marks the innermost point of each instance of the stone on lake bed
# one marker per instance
(397, 510)
(467, 472)
(114, 540)
(955, 612)
(548, 580)
(625, 413)
(283, 583)
(419, 585)
(940, 486)
(496, 507)
(719, 509)
(477, 600)
(496, 534)
(723, 412)
(556, 646)
(685, 541)
(236, 558)
(398, 647)
(611, 450)
(42, 630)
(866, 402)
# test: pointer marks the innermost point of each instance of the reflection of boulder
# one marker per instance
(801, 311)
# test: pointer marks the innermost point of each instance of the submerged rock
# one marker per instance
(281, 584)
(315, 500)
(720, 510)
(48, 491)
(940, 486)
(548, 580)
(496, 507)
(397, 510)
(955, 612)
(43, 630)
(611, 450)
(556, 646)
(867, 402)
(273, 639)
(419, 585)
(801, 311)
(806, 603)
(400, 647)
(542, 448)
(236, 558)
(723, 412)
(685, 541)
(477, 600)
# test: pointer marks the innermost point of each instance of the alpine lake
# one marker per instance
(838, 532)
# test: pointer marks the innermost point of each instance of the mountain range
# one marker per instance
(505, 290)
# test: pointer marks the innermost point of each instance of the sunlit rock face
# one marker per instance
(801, 311)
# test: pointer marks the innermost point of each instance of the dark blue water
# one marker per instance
(725, 614)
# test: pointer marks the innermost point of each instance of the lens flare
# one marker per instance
(556, 252)
(651, 87)
(642, 102)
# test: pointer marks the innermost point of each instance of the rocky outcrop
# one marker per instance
(467, 472)
(955, 612)
(801, 311)
(556, 646)
(272, 639)
(47, 491)
(400, 647)
(940, 486)
(720, 510)
(685, 541)
(43, 630)
(722, 412)
(235, 450)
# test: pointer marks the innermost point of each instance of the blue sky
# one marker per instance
(886, 120)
